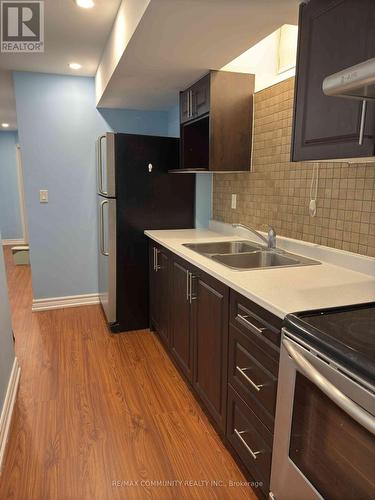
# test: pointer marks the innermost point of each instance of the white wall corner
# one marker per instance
(8, 407)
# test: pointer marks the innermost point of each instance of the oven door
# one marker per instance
(324, 444)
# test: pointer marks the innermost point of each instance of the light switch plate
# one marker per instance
(234, 201)
(43, 196)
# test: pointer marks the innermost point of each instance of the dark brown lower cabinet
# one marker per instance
(159, 290)
(253, 365)
(210, 323)
(228, 349)
(199, 334)
(253, 374)
(251, 440)
(181, 344)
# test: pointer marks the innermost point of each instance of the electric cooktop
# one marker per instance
(345, 334)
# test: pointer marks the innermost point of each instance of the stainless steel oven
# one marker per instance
(324, 443)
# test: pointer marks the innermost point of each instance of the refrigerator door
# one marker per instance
(107, 256)
(105, 159)
(148, 197)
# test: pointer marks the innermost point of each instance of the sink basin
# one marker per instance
(245, 255)
(262, 259)
(223, 247)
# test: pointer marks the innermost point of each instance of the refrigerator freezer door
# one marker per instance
(105, 158)
(107, 256)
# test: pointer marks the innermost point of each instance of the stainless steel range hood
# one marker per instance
(356, 82)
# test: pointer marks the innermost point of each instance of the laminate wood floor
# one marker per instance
(99, 416)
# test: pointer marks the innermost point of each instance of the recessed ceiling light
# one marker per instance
(75, 66)
(85, 4)
(5, 125)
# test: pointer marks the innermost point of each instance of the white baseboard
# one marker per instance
(63, 302)
(19, 241)
(8, 406)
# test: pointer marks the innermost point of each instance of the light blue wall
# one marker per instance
(174, 122)
(6, 338)
(10, 215)
(132, 121)
(58, 124)
(203, 185)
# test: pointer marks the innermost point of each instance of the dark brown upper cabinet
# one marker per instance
(195, 101)
(216, 115)
(333, 35)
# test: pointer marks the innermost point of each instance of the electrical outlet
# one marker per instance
(234, 201)
(43, 196)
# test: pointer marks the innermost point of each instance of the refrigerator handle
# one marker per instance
(100, 167)
(101, 229)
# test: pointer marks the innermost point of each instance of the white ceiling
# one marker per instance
(72, 34)
(177, 41)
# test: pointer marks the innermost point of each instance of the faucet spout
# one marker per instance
(270, 241)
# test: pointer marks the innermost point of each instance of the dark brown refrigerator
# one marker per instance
(135, 193)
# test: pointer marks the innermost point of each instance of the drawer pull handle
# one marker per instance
(257, 387)
(244, 318)
(254, 454)
(157, 267)
(191, 296)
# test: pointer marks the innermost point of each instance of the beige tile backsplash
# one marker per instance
(277, 191)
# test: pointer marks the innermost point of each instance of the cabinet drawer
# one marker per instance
(251, 440)
(253, 374)
(253, 319)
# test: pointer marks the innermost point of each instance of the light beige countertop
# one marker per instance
(282, 290)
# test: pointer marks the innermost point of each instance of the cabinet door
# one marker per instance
(210, 313)
(201, 97)
(185, 106)
(159, 291)
(333, 35)
(181, 337)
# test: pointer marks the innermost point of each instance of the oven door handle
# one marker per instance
(360, 415)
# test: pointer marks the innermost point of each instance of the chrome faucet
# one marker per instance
(270, 241)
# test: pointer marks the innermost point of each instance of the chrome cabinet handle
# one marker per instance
(363, 120)
(253, 454)
(188, 104)
(257, 387)
(190, 97)
(347, 405)
(189, 286)
(100, 166)
(101, 228)
(191, 296)
(244, 318)
(157, 267)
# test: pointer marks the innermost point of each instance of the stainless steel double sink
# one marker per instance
(245, 255)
